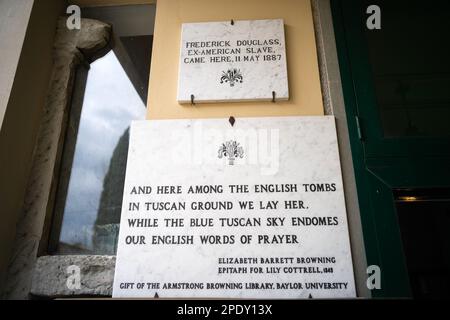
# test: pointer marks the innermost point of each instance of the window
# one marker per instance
(89, 193)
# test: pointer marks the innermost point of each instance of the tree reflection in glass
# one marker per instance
(91, 212)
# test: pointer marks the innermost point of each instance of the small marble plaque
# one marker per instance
(254, 210)
(233, 61)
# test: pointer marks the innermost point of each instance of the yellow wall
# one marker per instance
(303, 73)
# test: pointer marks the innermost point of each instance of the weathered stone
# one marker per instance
(51, 276)
(71, 48)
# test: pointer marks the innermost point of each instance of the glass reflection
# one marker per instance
(93, 200)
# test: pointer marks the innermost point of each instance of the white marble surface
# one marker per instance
(280, 150)
(260, 63)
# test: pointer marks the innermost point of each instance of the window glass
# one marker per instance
(89, 196)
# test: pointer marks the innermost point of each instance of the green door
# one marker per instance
(396, 83)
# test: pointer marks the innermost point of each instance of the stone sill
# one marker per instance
(52, 277)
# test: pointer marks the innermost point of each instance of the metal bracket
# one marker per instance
(192, 100)
(273, 96)
(232, 22)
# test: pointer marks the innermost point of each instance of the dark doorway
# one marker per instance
(396, 84)
(424, 219)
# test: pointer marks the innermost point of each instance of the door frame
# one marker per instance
(381, 165)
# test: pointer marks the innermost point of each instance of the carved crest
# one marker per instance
(231, 150)
(232, 76)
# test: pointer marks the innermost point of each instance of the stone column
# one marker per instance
(72, 48)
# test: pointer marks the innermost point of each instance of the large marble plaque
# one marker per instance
(254, 210)
(225, 61)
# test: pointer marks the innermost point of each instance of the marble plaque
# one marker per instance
(239, 61)
(254, 210)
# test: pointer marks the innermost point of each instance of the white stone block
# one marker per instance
(301, 246)
(243, 61)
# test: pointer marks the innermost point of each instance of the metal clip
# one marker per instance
(192, 100)
(273, 96)
(232, 22)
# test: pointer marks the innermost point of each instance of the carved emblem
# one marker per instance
(232, 76)
(231, 150)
